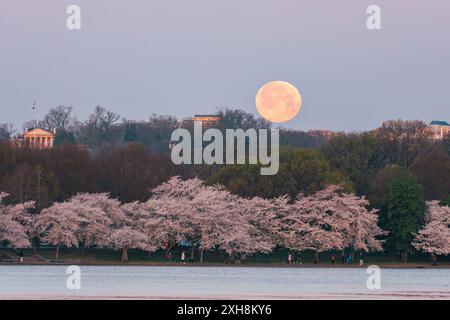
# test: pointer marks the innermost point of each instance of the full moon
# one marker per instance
(278, 101)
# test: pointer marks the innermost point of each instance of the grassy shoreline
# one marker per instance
(278, 259)
(393, 265)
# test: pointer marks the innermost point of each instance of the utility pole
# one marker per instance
(35, 124)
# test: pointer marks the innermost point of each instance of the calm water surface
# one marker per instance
(220, 282)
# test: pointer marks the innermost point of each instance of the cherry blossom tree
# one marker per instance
(265, 217)
(299, 236)
(362, 231)
(59, 225)
(236, 225)
(138, 229)
(172, 221)
(176, 187)
(222, 222)
(125, 238)
(16, 224)
(311, 226)
(350, 217)
(209, 216)
(331, 220)
(98, 213)
(434, 238)
(13, 232)
(171, 205)
(105, 222)
(85, 219)
(96, 220)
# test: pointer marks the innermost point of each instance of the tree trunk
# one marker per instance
(192, 253)
(201, 255)
(316, 257)
(125, 255)
(36, 245)
(169, 247)
(405, 256)
(391, 256)
(57, 252)
(434, 259)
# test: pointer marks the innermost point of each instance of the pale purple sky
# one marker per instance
(183, 57)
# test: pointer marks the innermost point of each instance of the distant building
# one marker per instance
(39, 138)
(327, 134)
(438, 129)
(35, 138)
(208, 121)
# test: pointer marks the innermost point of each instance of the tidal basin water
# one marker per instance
(151, 282)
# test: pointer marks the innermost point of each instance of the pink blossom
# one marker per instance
(434, 238)
(16, 224)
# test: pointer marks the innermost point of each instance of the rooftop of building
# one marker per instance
(38, 131)
(214, 116)
(439, 123)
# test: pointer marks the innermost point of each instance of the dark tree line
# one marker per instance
(46, 176)
(104, 128)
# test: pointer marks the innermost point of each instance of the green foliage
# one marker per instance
(405, 211)
(355, 155)
(446, 202)
(64, 137)
(130, 134)
(380, 186)
(301, 171)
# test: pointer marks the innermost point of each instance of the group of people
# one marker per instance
(183, 257)
(344, 259)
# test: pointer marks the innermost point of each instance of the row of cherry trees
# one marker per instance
(434, 237)
(213, 219)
